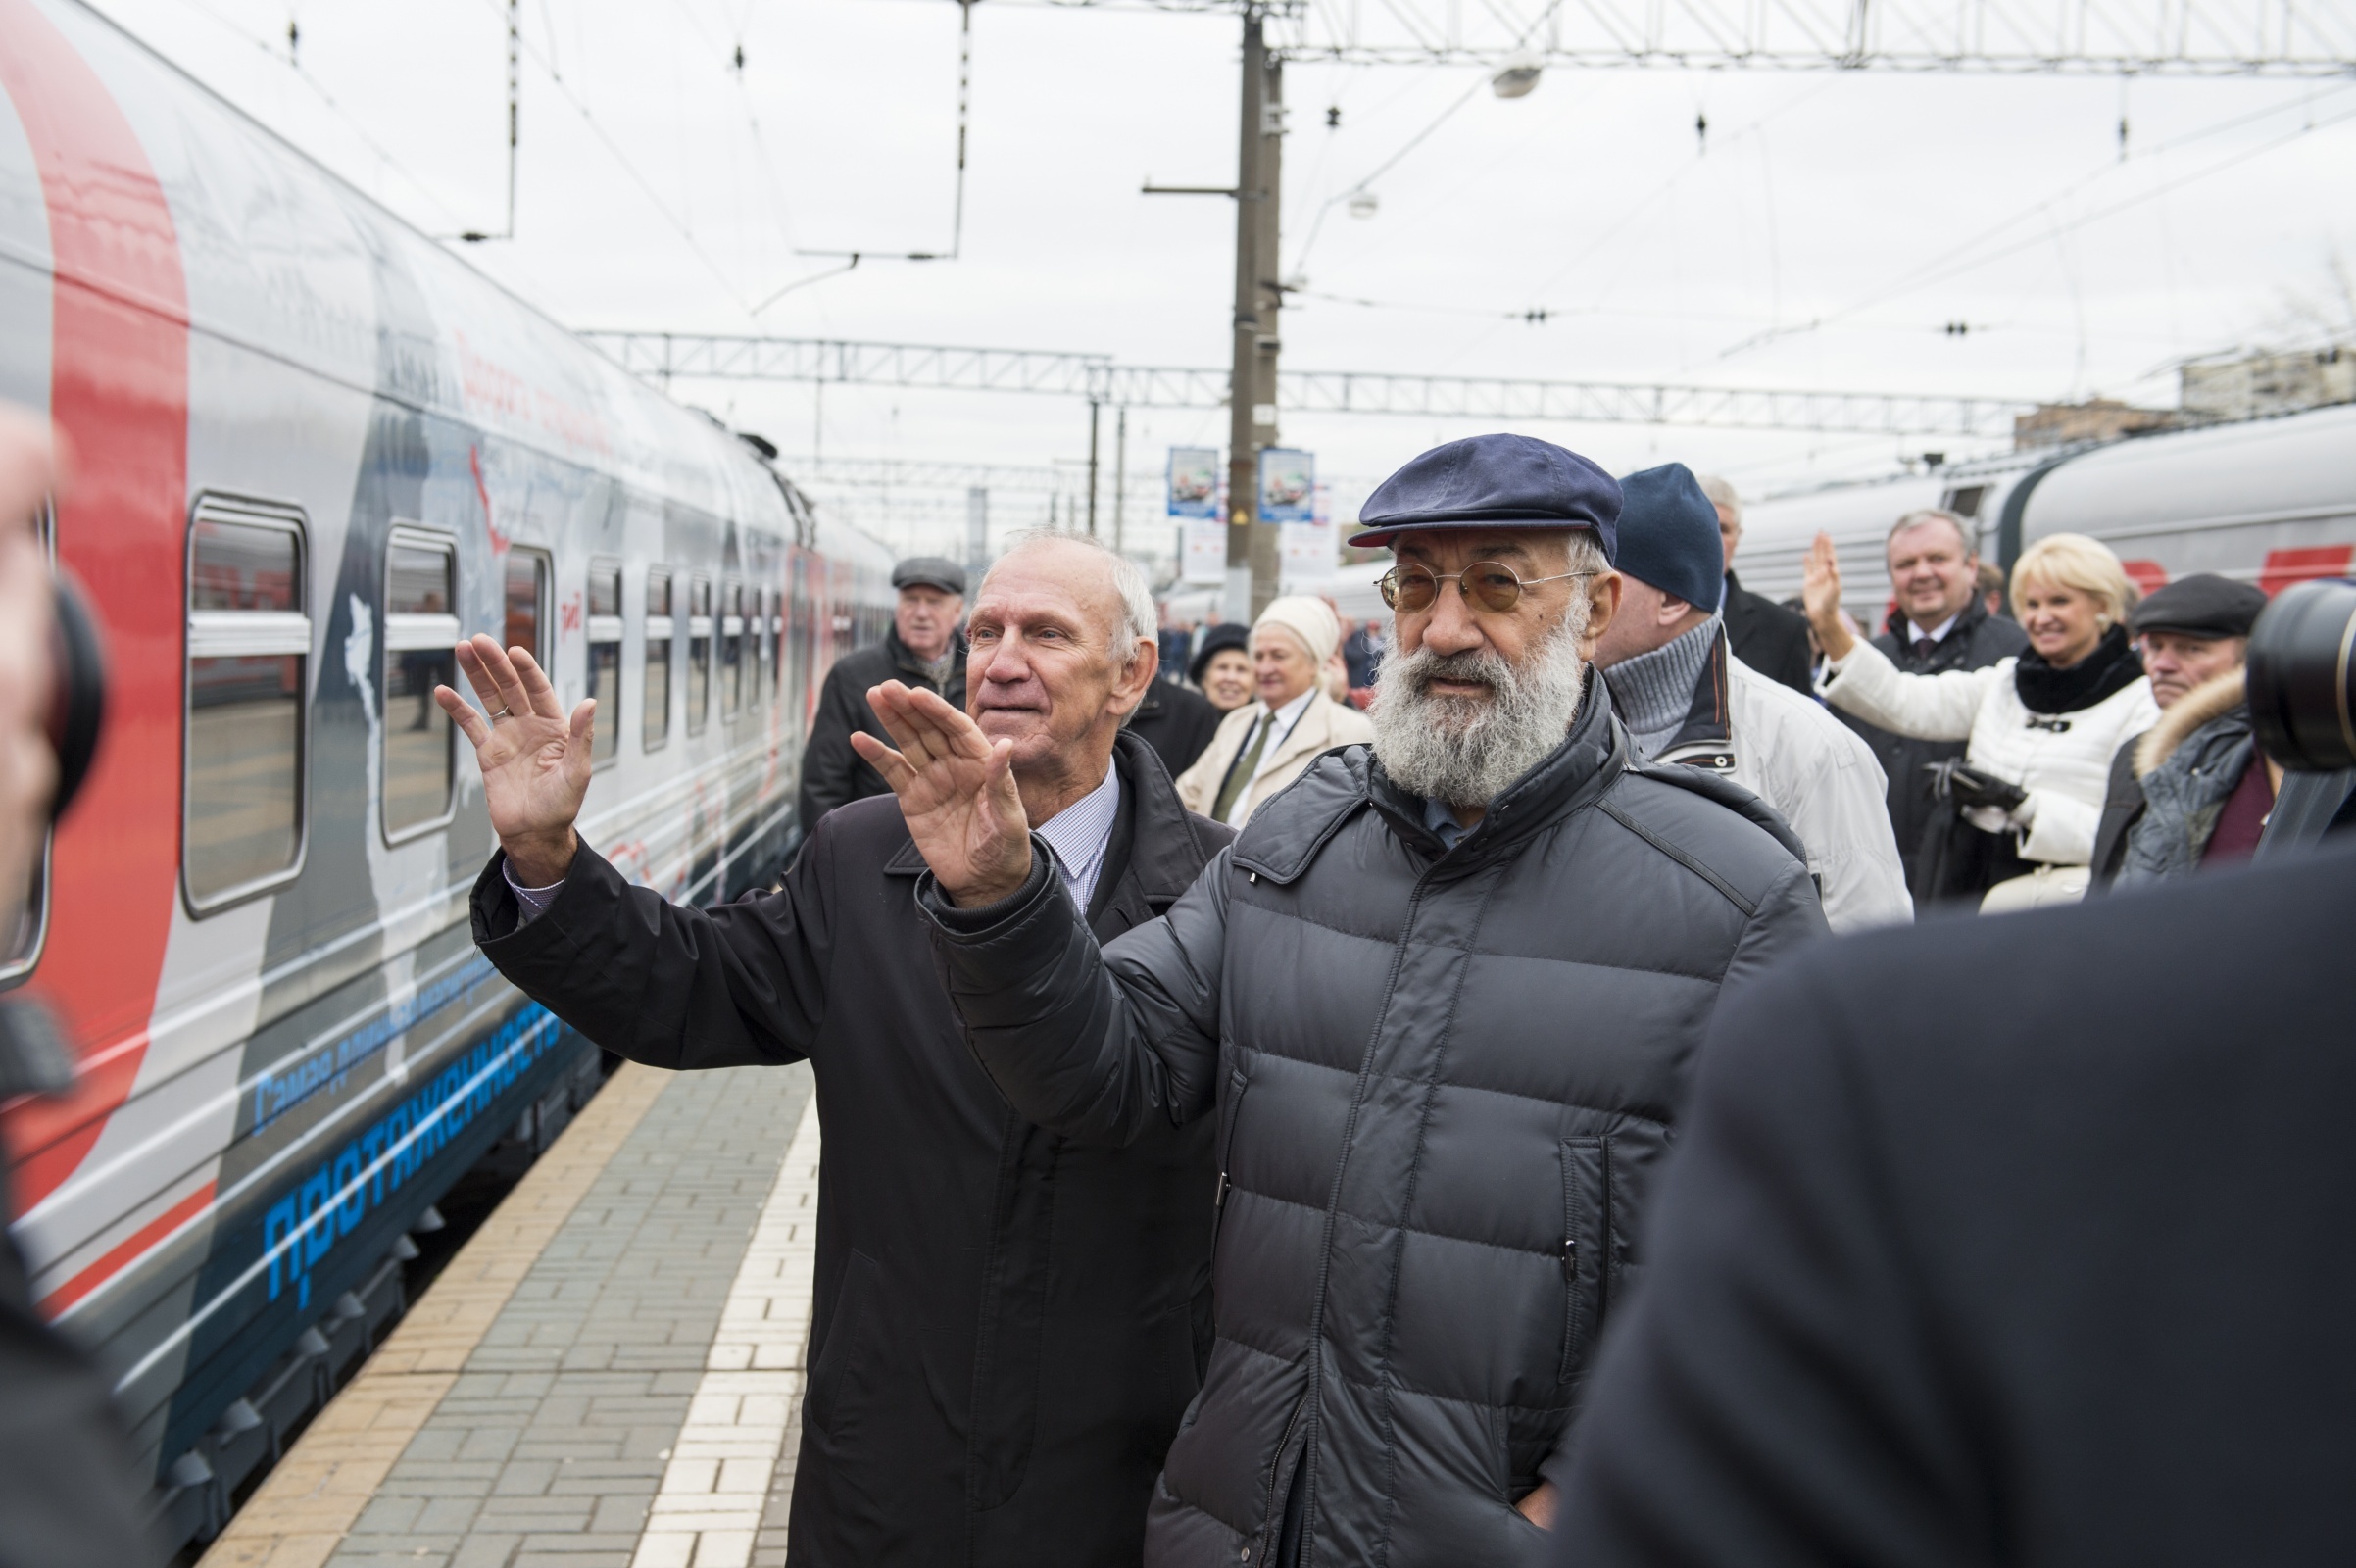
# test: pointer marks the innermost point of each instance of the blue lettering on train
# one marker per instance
(281, 1087)
(330, 1200)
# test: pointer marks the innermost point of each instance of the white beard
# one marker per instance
(1466, 751)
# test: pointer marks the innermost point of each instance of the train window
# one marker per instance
(249, 640)
(732, 649)
(699, 655)
(1964, 500)
(605, 658)
(23, 948)
(526, 603)
(653, 725)
(420, 587)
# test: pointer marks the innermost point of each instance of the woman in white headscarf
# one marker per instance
(1265, 744)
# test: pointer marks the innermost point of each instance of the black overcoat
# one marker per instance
(2053, 1269)
(1007, 1324)
(1770, 639)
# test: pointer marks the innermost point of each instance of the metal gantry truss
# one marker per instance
(2082, 38)
(665, 357)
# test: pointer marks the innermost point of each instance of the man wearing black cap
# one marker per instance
(1438, 1001)
(2190, 791)
(1687, 698)
(924, 648)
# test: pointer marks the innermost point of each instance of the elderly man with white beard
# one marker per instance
(1438, 1000)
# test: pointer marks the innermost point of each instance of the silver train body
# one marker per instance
(314, 449)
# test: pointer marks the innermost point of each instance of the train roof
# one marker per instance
(2296, 468)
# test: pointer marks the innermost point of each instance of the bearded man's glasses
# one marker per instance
(1485, 584)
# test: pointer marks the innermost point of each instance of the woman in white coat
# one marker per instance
(2041, 728)
(1266, 744)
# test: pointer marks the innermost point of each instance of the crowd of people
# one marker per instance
(1250, 1141)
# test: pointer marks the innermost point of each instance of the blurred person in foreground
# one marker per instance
(2040, 727)
(2192, 790)
(2057, 1272)
(1438, 1001)
(1362, 654)
(1222, 666)
(1263, 746)
(1007, 1322)
(1686, 698)
(924, 648)
(68, 1494)
(1939, 621)
(1766, 636)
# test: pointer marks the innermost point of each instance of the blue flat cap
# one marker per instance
(1669, 535)
(1494, 481)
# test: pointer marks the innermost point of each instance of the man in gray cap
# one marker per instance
(924, 648)
(1686, 697)
(2192, 790)
(1438, 1002)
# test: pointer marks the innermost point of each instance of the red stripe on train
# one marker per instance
(132, 1247)
(119, 388)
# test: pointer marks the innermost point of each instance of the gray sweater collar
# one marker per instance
(1654, 692)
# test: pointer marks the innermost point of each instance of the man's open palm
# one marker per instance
(535, 759)
(956, 790)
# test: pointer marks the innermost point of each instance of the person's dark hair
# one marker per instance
(1227, 634)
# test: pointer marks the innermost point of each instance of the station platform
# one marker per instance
(607, 1375)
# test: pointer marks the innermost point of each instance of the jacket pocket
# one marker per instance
(1586, 1225)
(1237, 1084)
(838, 1380)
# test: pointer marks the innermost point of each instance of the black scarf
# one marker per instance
(2108, 670)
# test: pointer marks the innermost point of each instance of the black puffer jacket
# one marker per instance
(1440, 1081)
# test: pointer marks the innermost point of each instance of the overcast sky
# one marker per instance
(1822, 236)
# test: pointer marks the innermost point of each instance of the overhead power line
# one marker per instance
(665, 357)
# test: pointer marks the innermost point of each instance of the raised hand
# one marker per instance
(956, 790)
(535, 759)
(1820, 589)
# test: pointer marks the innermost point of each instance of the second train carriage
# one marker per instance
(2265, 500)
(314, 450)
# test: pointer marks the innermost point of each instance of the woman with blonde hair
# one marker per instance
(2039, 728)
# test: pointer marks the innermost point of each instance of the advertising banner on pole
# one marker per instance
(1288, 485)
(1194, 486)
(1309, 556)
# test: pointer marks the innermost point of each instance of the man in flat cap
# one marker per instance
(1438, 1001)
(2192, 790)
(926, 648)
(1687, 698)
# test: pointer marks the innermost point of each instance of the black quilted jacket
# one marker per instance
(1442, 1083)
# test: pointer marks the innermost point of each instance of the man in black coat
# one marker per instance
(2056, 1272)
(1009, 1323)
(1763, 634)
(924, 648)
(1939, 623)
(1177, 721)
(1438, 1000)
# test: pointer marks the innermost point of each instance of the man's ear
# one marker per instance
(1602, 608)
(1138, 679)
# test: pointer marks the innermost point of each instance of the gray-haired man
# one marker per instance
(976, 1394)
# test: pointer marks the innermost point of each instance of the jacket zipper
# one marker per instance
(1236, 1084)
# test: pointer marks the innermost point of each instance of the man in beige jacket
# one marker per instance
(1264, 745)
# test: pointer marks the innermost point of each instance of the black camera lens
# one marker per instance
(2299, 676)
(77, 704)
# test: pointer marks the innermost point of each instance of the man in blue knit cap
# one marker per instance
(1437, 1000)
(1687, 699)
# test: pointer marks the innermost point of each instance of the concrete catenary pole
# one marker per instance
(1252, 552)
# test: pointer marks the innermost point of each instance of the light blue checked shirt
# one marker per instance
(1079, 834)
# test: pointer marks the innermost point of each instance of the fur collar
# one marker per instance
(2211, 700)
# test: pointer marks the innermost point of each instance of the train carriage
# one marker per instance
(313, 450)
